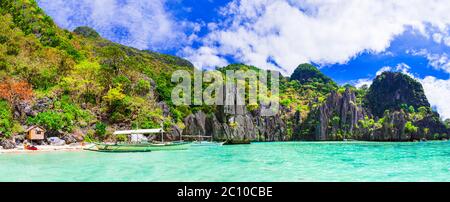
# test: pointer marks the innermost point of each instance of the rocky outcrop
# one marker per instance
(69, 139)
(391, 90)
(195, 124)
(174, 133)
(75, 137)
(435, 129)
(337, 118)
(165, 108)
(393, 128)
(241, 126)
(340, 117)
(7, 144)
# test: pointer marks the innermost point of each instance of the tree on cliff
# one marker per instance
(15, 92)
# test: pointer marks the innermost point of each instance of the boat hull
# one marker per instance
(207, 144)
(140, 147)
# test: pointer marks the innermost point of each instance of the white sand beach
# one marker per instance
(48, 148)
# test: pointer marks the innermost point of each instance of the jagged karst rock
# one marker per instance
(434, 127)
(336, 118)
(174, 133)
(393, 128)
(244, 126)
(165, 108)
(216, 129)
(195, 124)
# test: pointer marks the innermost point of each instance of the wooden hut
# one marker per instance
(35, 133)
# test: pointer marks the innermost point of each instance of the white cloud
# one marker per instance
(361, 82)
(383, 69)
(438, 93)
(205, 56)
(280, 34)
(438, 61)
(137, 23)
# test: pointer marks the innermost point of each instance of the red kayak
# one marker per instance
(32, 148)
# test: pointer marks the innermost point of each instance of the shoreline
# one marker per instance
(46, 148)
(79, 147)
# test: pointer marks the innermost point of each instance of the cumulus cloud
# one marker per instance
(438, 93)
(383, 69)
(438, 61)
(141, 24)
(205, 56)
(280, 34)
(362, 82)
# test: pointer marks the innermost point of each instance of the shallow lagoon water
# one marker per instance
(258, 162)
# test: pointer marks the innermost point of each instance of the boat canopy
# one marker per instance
(142, 131)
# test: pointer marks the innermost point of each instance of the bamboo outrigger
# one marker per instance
(141, 147)
(200, 142)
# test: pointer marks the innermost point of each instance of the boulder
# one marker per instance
(7, 144)
(19, 138)
(78, 135)
(55, 141)
(70, 138)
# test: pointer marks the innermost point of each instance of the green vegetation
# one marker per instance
(410, 128)
(88, 79)
(64, 116)
(6, 120)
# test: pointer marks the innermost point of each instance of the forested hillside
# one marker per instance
(82, 87)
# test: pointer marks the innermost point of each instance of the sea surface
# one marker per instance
(258, 162)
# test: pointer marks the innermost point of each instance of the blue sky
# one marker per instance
(350, 40)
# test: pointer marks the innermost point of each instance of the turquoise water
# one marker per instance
(249, 163)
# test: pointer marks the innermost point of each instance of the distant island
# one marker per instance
(80, 87)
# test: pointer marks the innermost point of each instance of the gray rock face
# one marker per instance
(435, 127)
(69, 138)
(239, 126)
(42, 105)
(338, 112)
(393, 128)
(174, 133)
(195, 124)
(339, 118)
(165, 108)
(7, 144)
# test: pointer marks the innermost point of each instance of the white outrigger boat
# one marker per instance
(138, 146)
(207, 143)
(201, 142)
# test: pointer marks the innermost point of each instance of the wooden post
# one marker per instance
(162, 134)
